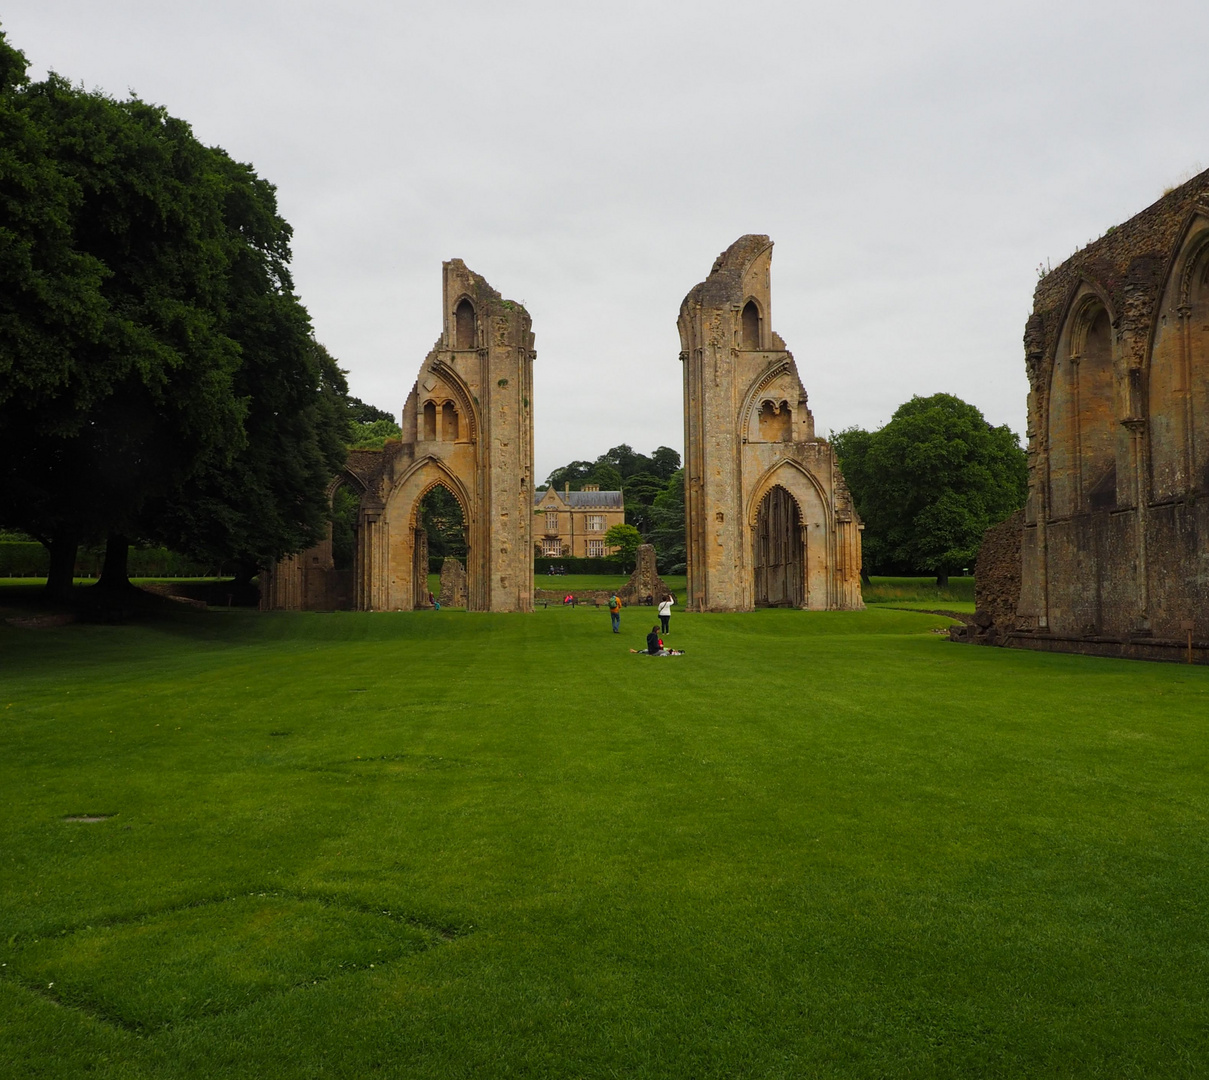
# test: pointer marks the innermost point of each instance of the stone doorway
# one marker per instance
(779, 554)
(440, 534)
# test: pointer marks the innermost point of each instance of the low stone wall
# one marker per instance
(997, 572)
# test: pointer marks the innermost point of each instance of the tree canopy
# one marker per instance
(624, 540)
(930, 483)
(158, 376)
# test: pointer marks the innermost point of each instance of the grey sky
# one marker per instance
(913, 161)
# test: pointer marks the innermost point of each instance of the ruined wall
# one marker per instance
(748, 430)
(467, 425)
(645, 581)
(1115, 545)
(997, 571)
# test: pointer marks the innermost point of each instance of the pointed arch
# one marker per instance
(1082, 422)
(756, 393)
(465, 325)
(749, 326)
(468, 425)
(1177, 375)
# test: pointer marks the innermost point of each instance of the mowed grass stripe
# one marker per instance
(817, 844)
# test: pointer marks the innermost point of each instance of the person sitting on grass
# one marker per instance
(654, 646)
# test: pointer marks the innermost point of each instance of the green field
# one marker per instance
(448, 845)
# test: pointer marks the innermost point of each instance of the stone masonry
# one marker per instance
(769, 519)
(467, 426)
(1115, 536)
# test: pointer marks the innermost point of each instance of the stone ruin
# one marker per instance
(769, 521)
(467, 426)
(1112, 540)
(453, 583)
(645, 581)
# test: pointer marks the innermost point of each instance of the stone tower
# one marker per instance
(469, 421)
(768, 518)
(467, 426)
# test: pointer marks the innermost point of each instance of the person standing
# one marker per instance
(615, 612)
(665, 610)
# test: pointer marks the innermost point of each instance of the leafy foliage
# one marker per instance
(158, 378)
(361, 413)
(441, 515)
(374, 434)
(624, 541)
(930, 483)
(666, 530)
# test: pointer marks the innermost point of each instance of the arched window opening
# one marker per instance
(779, 551)
(1098, 426)
(440, 535)
(1197, 351)
(345, 504)
(465, 326)
(1177, 399)
(775, 422)
(449, 422)
(430, 421)
(1082, 425)
(749, 336)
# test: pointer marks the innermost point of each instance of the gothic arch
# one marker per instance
(1177, 379)
(795, 478)
(755, 395)
(465, 325)
(751, 320)
(1082, 414)
(807, 582)
(463, 401)
(402, 520)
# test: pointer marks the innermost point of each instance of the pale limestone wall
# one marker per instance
(747, 428)
(467, 425)
(1115, 545)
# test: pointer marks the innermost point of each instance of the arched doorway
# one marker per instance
(440, 534)
(779, 555)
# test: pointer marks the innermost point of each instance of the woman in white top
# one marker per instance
(665, 610)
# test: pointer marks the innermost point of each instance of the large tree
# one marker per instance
(173, 391)
(930, 483)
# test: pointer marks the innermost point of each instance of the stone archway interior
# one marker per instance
(778, 555)
(440, 534)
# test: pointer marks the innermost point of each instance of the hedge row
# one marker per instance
(577, 565)
(30, 559)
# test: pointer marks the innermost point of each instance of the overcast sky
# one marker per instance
(914, 162)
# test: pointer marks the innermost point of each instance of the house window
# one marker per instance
(596, 523)
(551, 548)
(595, 549)
(551, 521)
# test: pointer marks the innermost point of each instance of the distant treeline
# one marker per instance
(27, 558)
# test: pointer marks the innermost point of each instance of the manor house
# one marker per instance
(574, 523)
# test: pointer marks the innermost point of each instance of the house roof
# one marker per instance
(580, 500)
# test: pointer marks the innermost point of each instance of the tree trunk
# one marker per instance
(63, 547)
(115, 573)
(942, 579)
(865, 577)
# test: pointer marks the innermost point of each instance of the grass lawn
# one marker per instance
(449, 845)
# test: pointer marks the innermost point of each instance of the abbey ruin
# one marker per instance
(467, 426)
(1114, 542)
(769, 520)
